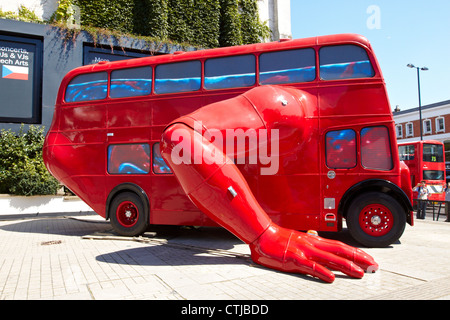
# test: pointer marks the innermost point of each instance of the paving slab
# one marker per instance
(80, 257)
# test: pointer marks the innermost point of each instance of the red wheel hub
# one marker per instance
(127, 214)
(376, 220)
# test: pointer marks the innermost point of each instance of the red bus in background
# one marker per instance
(343, 163)
(426, 161)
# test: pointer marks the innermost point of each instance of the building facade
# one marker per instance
(435, 124)
(35, 57)
(276, 13)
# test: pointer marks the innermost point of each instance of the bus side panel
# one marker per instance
(292, 201)
(91, 190)
(353, 107)
(169, 205)
(85, 178)
(167, 109)
(79, 152)
(359, 100)
(166, 194)
(83, 117)
(129, 114)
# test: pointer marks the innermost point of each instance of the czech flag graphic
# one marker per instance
(15, 72)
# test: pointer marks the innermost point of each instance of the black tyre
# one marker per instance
(375, 220)
(128, 215)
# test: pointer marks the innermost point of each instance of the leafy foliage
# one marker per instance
(22, 169)
(24, 14)
(206, 23)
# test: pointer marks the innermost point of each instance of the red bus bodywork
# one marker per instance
(426, 161)
(307, 192)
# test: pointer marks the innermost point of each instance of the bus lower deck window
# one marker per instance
(159, 165)
(129, 159)
(341, 149)
(376, 148)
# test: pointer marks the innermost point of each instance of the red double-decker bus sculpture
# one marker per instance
(261, 139)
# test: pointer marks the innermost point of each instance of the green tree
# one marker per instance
(205, 23)
(22, 169)
(230, 24)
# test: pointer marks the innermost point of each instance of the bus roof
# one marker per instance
(284, 44)
(225, 51)
(420, 142)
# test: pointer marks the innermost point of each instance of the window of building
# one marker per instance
(341, 149)
(399, 131)
(287, 66)
(440, 124)
(344, 62)
(427, 126)
(94, 53)
(376, 148)
(85, 87)
(447, 153)
(178, 77)
(230, 72)
(131, 82)
(409, 129)
(21, 79)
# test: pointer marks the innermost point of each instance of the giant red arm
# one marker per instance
(216, 186)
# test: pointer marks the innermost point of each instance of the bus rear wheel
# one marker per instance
(375, 220)
(127, 214)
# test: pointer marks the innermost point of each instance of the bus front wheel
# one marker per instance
(127, 214)
(375, 220)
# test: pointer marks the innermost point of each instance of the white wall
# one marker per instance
(42, 8)
(427, 113)
(277, 14)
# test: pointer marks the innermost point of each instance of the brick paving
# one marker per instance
(79, 257)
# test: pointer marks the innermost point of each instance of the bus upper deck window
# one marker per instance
(287, 66)
(433, 152)
(406, 153)
(131, 82)
(178, 77)
(85, 87)
(344, 62)
(230, 72)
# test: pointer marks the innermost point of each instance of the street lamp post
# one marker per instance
(410, 65)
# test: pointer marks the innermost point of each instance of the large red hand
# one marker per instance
(292, 251)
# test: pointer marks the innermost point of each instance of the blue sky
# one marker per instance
(400, 31)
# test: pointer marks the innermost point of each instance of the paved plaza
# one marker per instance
(79, 257)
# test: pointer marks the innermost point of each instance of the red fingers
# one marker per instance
(361, 258)
(296, 252)
(296, 263)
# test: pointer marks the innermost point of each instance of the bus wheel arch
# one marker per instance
(127, 208)
(376, 212)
